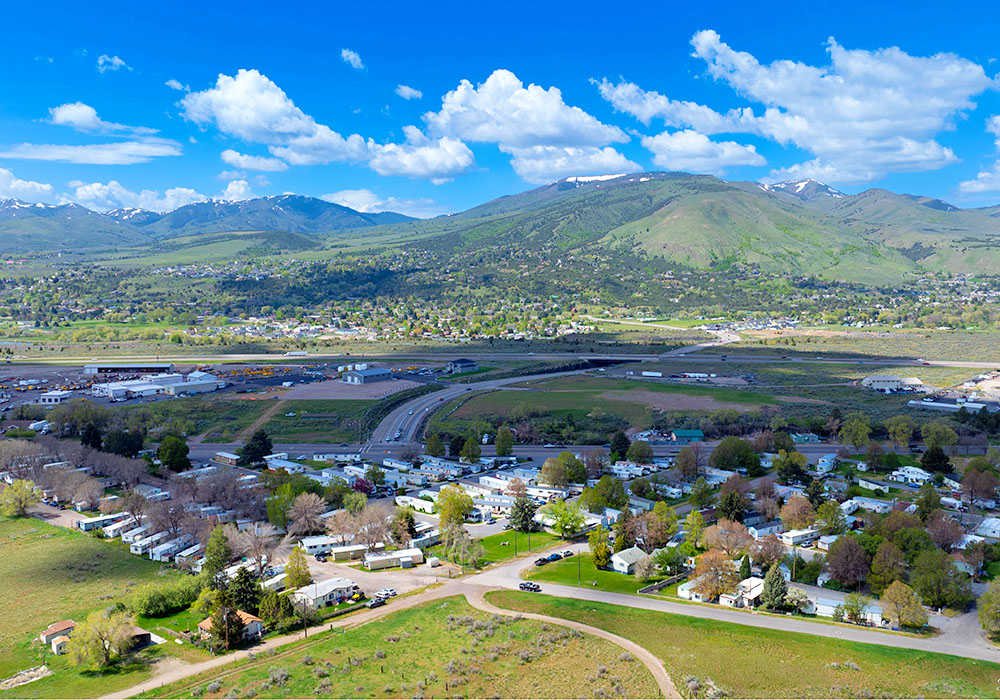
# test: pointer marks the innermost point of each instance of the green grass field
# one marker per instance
(219, 417)
(50, 573)
(440, 649)
(500, 547)
(318, 420)
(752, 662)
(579, 570)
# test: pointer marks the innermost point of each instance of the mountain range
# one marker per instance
(800, 227)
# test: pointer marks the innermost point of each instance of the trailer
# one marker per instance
(167, 550)
(130, 536)
(119, 528)
(88, 524)
(143, 546)
(187, 557)
(404, 558)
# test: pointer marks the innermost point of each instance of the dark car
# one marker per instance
(320, 557)
(541, 562)
(375, 603)
(529, 586)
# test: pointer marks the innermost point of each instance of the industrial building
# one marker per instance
(367, 376)
(129, 368)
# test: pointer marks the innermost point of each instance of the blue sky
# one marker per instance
(443, 107)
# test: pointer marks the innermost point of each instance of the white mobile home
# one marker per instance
(130, 536)
(122, 526)
(415, 503)
(88, 524)
(146, 543)
(795, 538)
(403, 557)
(187, 557)
(167, 550)
(322, 593)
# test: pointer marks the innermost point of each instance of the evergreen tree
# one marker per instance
(244, 592)
(619, 445)
(455, 445)
(218, 553)
(275, 609)
(745, 568)
(296, 570)
(434, 447)
(257, 447)
(775, 589)
(173, 454)
(731, 506)
(471, 451)
(935, 460)
(90, 436)
(522, 514)
(227, 627)
(504, 442)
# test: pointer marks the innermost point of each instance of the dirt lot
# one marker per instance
(676, 402)
(336, 389)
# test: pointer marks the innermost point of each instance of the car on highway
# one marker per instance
(529, 586)
(549, 445)
(289, 415)
(541, 561)
(410, 413)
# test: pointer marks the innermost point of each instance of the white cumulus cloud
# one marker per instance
(439, 159)
(237, 191)
(408, 93)
(11, 186)
(541, 164)
(106, 63)
(352, 59)
(366, 201)
(987, 180)
(246, 162)
(83, 117)
(866, 114)
(693, 151)
(104, 196)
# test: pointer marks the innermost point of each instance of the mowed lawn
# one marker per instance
(443, 648)
(758, 663)
(579, 570)
(48, 574)
(319, 420)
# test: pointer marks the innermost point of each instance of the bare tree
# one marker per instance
(596, 463)
(516, 489)
(766, 551)
(170, 517)
(134, 503)
(341, 525)
(729, 536)
(262, 543)
(372, 524)
(305, 513)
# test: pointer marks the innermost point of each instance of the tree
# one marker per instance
(731, 506)
(796, 599)
(888, 566)
(105, 634)
(848, 562)
(434, 447)
(363, 486)
(856, 607)
(122, 442)
(815, 493)
(218, 553)
(522, 514)
(902, 607)
(619, 445)
(297, 570)
(404, 525)
(687, 463)
(260, 543)
(775, 589)
(664, 523)
(90, 436)
(874, 455)
(306, 513)
(504, 442)
(790, 466)
(944, 533)
(797, 513)
(471, 452)
(455, 445)
(830, 519)
(766, 551)
(729, 536)
(18, 497)
(576, 471)
(173, 454)
(935, 460)
(568, 518)
(453, 505)
(516, 488)
(639, 452)
(702, 494)
(598, 540)
(375, 475)
(938, 433)
(734, 454)
(227, 625)
(928, 501)
(938, 582)
(979, 485)
(608, 492)
(745, 567)
(714, 574)
(855, 430)
(900, 429)
(644, 568)
(276, 609)
(257, 447)
(355, 502)
(554, 472)
(244, 592)
(595, 463)
(989, 608)
(670, 559)
(694, 525)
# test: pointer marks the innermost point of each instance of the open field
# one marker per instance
(319, 420)
(218, 417)
(580, 568)
(758, 663)
(500, 546)
(49, 574)
(434, 650)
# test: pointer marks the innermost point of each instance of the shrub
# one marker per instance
(278, 676)
(157, 599)
(213, 687)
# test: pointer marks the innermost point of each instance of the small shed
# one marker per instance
(59, 645)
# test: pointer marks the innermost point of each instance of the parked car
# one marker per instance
(386, 593)
(321, 557)
(529, 586)
(567, 553)
(359, 596)
(541, 562)
(555, 556)
(375, 603)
